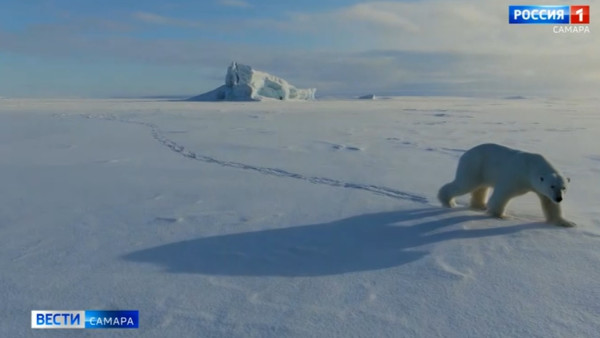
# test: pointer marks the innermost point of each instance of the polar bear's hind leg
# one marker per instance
(445, 195)
(453, 189)
(478, 198)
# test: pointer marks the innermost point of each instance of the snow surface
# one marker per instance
(242, 83)
(303, 219)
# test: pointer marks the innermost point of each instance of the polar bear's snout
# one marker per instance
(557, 195)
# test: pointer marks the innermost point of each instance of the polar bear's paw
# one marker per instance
(496, 214)
(449, 204)
(564, 223)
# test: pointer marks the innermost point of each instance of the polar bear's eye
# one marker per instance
(552, 187)
(542, 179)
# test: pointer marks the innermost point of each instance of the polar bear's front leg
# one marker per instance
(553, 213)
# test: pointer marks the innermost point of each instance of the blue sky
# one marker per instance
(82, 48)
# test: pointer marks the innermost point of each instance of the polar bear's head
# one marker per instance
(553, 186)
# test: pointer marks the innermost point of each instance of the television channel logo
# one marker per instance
(580, 15)
(88, 319)
(549, 15)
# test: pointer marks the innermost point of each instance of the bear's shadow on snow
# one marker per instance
(360, 243)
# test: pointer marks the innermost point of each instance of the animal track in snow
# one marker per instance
(159, 136)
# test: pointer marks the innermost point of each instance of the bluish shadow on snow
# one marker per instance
(360, 243)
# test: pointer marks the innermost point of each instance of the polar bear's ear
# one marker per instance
(542, 178)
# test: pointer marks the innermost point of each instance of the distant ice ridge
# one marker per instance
(242, 83)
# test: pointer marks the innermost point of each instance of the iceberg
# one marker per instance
(243, 83)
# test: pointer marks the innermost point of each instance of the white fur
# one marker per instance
(510, 173)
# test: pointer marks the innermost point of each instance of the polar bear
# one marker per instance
(510, 173)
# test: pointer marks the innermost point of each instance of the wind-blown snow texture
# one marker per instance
(242, 83)
(252, 220)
